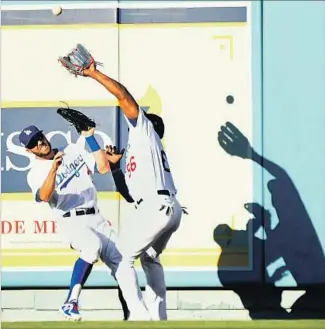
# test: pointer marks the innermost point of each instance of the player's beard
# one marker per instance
(44, 155)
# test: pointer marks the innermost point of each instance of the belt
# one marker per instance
(159, 192)
(80, 212)
(164, 192)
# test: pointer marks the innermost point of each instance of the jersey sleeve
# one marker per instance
(90, 160)
(35, 180)
(86, 156)
(140, 123)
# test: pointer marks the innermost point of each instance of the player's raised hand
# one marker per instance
(261, 216)
(88, 72)
(233, 141)
(112, 154)
(87, 133)
(57, 160)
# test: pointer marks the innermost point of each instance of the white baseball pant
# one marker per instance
(155, 293)
(93, 237)
(150, 226)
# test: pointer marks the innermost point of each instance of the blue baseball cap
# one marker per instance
(27, 134)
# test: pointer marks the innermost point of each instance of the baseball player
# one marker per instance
(157, 212)
(61, 178)
(155, 288)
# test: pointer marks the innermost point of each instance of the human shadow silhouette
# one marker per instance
(262, 301)
(291, 250)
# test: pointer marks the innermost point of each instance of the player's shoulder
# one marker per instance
(38, 169)
(31, 175)
(71, 148)
(144, 124)
(67, 147)
(138, 122)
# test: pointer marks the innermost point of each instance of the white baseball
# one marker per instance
(57, 10)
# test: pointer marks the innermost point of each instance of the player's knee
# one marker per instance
(123, 269)
(91, 251)
(112, 258)
(126, 261)
(146, 260)
(127, 255)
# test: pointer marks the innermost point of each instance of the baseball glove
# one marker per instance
(78, 60)
(77, 119)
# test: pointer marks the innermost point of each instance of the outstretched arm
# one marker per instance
(121, 186)
(99, 155)
(114, 157)
(126, 101)
(270, 166)
(232, 140)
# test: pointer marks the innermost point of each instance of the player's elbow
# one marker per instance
(129, 107)
(104, 168)
(42, 196)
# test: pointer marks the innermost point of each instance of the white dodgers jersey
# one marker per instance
(147, 170)
(74, 187)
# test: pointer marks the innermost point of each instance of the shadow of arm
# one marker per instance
(270, 166)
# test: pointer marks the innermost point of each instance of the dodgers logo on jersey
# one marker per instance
(69, 171)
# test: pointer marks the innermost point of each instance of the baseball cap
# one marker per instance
(157, 122)
(27, 134)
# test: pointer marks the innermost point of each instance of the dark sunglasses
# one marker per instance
(34, 141)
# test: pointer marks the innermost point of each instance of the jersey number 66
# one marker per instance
(131, 166)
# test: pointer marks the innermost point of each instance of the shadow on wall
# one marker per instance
(293, 255)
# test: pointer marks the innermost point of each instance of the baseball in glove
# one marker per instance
(77, 119)
(78, 60)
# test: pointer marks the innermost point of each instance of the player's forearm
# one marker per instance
(100, 156)
(102, 163)
(270, 166)
(125, 99)
(121, 186)
(113, 86)
(47, 189)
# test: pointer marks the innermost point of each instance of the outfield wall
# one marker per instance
(198, 66)
(174, 62)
